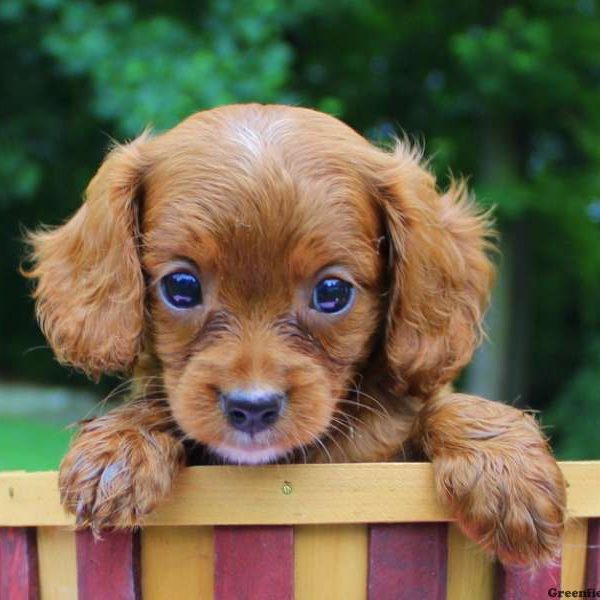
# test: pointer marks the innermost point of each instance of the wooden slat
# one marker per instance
(254, 495)
(525, 584)
(18, 564)
(471, 572)
(411, 558)
(349, 493)
(177, 562)
(254, 563)
(592, 570)
(108, 568)
(331, 562)
(58, 564)
(574, 550)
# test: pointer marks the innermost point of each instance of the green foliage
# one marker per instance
(158, 69)
(23, 174)
(518, 60)
(578, 437)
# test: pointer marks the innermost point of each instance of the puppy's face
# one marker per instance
(262, 254)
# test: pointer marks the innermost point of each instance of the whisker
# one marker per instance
(384, 415)
(319, 441)
(347, 416)
(298, 445)
(360, 393)
(346, 428)
(341, 432)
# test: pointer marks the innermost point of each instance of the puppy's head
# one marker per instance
(266, 257)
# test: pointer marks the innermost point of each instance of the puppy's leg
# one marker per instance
(121, 465)
(494, 468)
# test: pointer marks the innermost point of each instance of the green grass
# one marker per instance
(33, 424)
(27, 444)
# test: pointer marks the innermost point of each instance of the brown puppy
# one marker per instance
(283, 290)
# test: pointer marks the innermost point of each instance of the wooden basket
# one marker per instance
(313, 532)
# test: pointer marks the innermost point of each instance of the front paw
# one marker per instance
(112, 479)
(512, 504)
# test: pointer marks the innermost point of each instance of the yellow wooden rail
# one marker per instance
(328, 504)
(285, 494)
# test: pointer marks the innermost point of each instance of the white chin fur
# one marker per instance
(240, 456)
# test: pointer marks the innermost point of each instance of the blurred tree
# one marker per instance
(505, 92)
(575, 409)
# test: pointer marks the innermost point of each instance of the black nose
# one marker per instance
(252, 411)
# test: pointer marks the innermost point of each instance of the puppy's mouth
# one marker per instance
(258, 456)
(245, 449)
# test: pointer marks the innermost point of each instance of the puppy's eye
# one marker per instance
(181, 289)
(332, 295)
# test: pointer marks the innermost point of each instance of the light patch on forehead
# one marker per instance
(255, 135)
(248, 138)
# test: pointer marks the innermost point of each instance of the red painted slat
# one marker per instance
(592, 567)
(18, 564)
(515, 583)
(408, 560)
(254, 563)
(110, 567)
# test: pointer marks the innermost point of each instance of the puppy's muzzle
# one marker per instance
(252, 411)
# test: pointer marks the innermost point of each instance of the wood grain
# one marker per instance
(108, 568)
(408, 560)
(525, 584)
(592, 570)
(57, 563)
(345, 493)
(471, 572)
(18, 564)
(331, 562)
(177, 562)
(254, 563)
(574, 552)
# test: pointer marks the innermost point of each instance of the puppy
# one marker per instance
(282, 290)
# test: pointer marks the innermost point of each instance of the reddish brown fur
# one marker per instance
(261, 201)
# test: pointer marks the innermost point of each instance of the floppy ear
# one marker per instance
(90, 289)
(440, 274)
